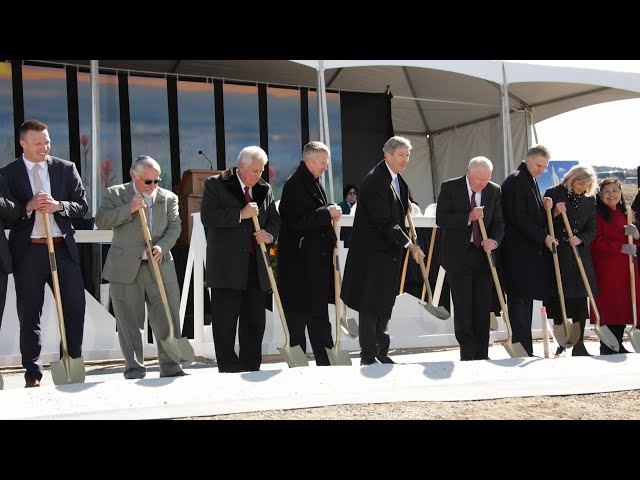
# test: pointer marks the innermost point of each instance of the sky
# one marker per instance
(605, 134)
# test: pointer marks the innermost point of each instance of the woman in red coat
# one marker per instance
(609, 252)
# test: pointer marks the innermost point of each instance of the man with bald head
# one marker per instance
(462, 201)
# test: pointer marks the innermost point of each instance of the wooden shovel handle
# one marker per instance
(583, 274)
(556, 265)
(56, 282)
(632, 276)
(156, 269)
(429, 255)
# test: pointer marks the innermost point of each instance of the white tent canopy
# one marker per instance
(449, 109)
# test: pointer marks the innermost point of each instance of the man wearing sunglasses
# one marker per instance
(128, 266)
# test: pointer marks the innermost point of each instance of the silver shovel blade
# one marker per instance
(349, 327)
(515, 350)
(338, 357)
(493, 322)
(438, 312)
(68, 370)
(634, 338)
(179, 350)
(564, 340)
(607, 337)
(294, 356)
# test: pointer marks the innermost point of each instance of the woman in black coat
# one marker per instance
(576, 196)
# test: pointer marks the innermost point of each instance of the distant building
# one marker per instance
(555, 180)
(619, 174)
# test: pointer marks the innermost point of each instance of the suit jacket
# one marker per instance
(66, 187)
(128, 245)
(372, 270)
(452, 215)
(9, 212)
(525, 257)
(228, 238)
(305, 246)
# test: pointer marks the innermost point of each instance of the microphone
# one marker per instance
(202, 153)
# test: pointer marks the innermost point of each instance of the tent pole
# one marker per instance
(507, 149)
(324, 125)
(95, 135)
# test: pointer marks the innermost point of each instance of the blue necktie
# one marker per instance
(396, 185)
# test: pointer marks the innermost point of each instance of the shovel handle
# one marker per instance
(274, 285)
(429, 255)
(632, 276)
(156, 269)
(425, 274)
(496, 282)
(56, 283)
(336, 281)
(583, 274)
(556, 265)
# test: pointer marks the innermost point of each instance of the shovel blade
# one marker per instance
(68, 370)
(564, 340)
(338, 357)
(349, 327)
(634, 338)
(438, 312)
(607, 337)
(515, 350)
(493, 322)
(179, 350)
(294, 356)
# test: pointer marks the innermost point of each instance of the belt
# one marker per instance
(56, 240)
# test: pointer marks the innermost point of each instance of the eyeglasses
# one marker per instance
(149, 182)
(352, 193)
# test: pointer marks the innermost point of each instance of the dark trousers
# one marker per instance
(319, 329)
(3, 293)
(241, 310)
(374, 337)
(30, 276)
(520, 310)
(471, 293)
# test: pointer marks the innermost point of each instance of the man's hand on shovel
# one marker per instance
(416, 252)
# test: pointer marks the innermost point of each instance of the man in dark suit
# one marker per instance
(524, 256)
(42, 183)
(236, 271)
(378, 240)
(462, 201)
(305, 249)
(8, 213)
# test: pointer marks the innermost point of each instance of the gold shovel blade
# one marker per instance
(515, 350)
(349, 326)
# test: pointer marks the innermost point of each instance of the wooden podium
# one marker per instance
(190, 192)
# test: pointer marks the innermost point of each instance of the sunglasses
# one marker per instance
(149, 182)
(352, 193)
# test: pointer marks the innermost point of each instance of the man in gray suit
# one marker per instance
(128, 269)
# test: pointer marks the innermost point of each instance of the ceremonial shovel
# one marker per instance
(179, 349)
(337, 356)
(513, 349)
(67, 370)
(438, 312)
(605, 334)
(561, 332)
(634, 336)
(294, 356)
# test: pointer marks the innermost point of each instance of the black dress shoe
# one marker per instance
(365, 361)
(179, 373)
(385, 360)
(32, 382)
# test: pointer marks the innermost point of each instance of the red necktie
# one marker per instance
(247, 196)
(475, 226)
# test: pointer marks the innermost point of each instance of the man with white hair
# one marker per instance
(462, 201)
(236, 273)
(127, 266)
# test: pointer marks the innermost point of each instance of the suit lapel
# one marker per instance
(55, 178)
(159, 212)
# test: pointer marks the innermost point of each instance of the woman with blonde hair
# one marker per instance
(576, 197)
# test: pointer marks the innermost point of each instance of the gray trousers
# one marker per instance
(128, 301)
